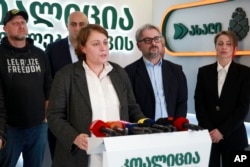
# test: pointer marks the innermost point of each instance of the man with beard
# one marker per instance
(25, 82)
(160, 86)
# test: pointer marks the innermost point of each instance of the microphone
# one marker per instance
(167, 122)
(134, 128)
(183, 124)
(118, 127)
(164, 121)
(100, 129)
(146, 122)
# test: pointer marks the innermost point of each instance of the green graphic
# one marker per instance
(170, 160)
(37, 10)
(180, 30)
(239, 23)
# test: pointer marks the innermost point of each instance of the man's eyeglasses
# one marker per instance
(148, 40)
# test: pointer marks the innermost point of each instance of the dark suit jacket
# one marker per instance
(175, 88)
(70, 113)
(228, 112)
(58, 54)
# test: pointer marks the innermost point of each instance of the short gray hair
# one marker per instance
(145, 27)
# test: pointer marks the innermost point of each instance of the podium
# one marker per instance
(175, 149)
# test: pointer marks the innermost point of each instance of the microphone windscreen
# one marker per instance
(146, 121)
(118, 126)
(163, 121)
(179, 122)
(114, 124)
(96, 127)
(134, 128)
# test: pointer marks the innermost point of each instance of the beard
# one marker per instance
(20, 37)
(152, 55)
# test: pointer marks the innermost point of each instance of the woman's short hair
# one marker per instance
(83, 36)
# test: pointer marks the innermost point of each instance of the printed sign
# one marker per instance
(188, 27)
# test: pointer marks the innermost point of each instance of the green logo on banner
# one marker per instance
(238, 23)
(180, 31)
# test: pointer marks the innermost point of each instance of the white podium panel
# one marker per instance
(176, 149)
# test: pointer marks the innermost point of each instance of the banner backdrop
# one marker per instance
(121, 18)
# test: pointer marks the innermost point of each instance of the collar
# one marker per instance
(149, 63)
(219, 67)
(107, 67)
(70, 45)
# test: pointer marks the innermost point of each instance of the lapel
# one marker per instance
(65, 52)
(209, 76)
(231, 76)
(212, 80)
(143, 74)
(116, 81)
(167, 78)
(81, 81)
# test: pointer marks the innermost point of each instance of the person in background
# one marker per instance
(25, 79)
(222, 96)
(62, 52)
(88, 90)
(160, 86)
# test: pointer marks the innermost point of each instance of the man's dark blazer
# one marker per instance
(174, 85)
(58, 54)
(227, 112)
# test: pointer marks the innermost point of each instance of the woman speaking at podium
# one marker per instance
(90, 89)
